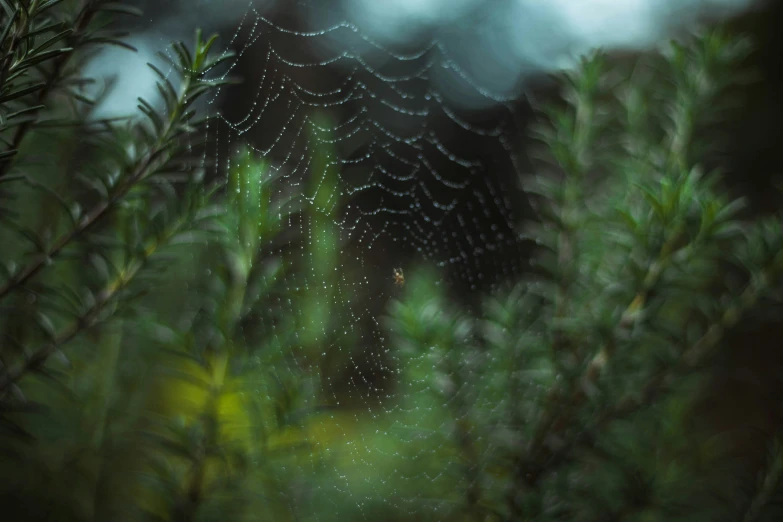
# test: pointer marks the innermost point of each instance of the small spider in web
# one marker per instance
(399, 277)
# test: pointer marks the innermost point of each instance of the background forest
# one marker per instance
(179, 339)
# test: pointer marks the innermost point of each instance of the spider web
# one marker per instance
(411, 167)
(423, 154)
(420, 179)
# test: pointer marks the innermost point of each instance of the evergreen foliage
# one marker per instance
(147, 373)
(570, 397)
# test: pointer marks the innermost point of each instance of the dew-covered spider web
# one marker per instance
(402, 152)
(418, 176)
(413, 175)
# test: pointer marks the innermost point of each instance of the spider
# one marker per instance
(399, 277)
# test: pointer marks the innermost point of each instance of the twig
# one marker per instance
(80, 25)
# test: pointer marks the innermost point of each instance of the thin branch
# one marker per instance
(154, 158)
(90, 317)
(80, 25)
(657, 385)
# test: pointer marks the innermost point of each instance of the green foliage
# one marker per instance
(90, 361)
(570, 396)
(146, 373)
(124, 193)
(39, 41)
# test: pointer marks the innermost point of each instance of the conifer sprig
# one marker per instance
(162, 145)
(22, 23)
(38, 45)
(94, 308)
(629, 303)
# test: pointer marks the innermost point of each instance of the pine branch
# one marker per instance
(24, 22)
(162, 151)
(573, 155)
(166, 146)
(662, 381)
(186, 508)
(78, 36)
(91, 316)
(669, 212)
